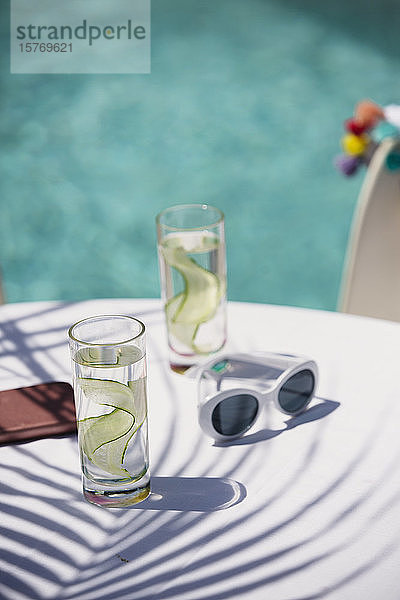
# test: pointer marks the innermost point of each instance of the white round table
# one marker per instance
(298, 509)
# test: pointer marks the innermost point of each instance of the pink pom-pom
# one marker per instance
(368, 113)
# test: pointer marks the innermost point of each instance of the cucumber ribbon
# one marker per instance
(105, 438)
(197, 303)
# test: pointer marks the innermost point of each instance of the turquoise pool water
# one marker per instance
(243, 109)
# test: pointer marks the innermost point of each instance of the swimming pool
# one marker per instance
(243, 110)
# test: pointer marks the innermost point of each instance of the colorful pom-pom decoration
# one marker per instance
(347, 165)
(355, 144)
(352, 126)
(385, 130)
(364, 132)
(368, 113)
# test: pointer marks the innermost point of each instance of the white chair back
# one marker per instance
(371, 276)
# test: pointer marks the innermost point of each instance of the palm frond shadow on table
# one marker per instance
(56, 546)
(145, 571)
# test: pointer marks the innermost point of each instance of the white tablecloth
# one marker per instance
(299, 509)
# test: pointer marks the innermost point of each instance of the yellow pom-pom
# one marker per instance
(355, 144)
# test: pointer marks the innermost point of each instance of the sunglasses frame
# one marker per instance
(263, 397)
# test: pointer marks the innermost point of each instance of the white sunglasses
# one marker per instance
(233, 389)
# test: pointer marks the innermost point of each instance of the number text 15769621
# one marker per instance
(45, 47)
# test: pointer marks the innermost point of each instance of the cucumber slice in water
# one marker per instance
(138, 388)
(199, 300)
(107, 392)
(183, 332)
(201, 295)
(105, 438)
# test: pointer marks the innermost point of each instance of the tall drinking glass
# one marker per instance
(191, 252)
(108, 355)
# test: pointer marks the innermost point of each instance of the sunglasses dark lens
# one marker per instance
(235, 414)
(296, 391)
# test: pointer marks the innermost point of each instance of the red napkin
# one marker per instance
(37, 411)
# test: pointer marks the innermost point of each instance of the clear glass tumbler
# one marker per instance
(191, 252)
(108, 355)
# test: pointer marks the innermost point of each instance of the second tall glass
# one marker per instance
(191, 251)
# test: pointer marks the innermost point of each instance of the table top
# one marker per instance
(298, 509)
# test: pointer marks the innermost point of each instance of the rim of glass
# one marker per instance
(98, 317)
(178, 207)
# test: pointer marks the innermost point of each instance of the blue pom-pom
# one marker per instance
(385, 130)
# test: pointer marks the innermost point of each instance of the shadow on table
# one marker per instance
(317, 411)
(198, 494)
(56, 545)
(138, 554)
